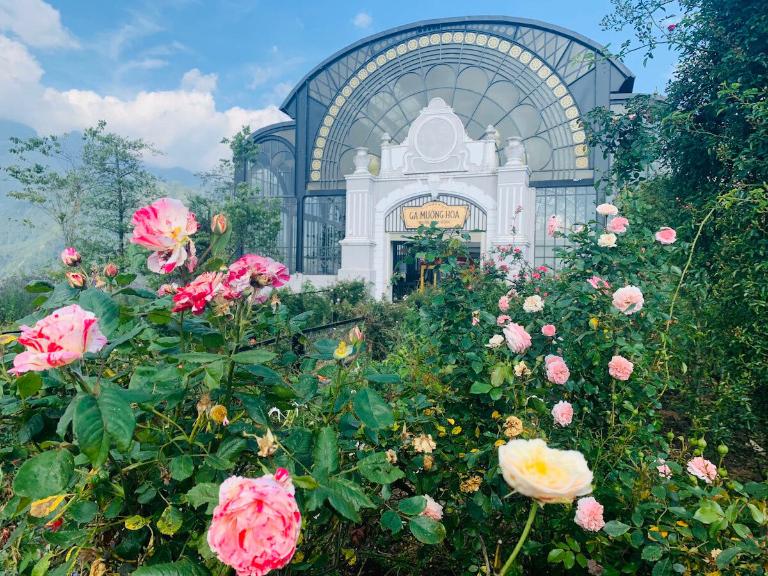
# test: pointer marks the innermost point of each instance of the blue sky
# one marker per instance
(183, 73)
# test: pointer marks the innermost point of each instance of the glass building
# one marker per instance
(502, 77)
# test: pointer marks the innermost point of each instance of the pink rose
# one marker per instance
(503, 319)
(433, 509)
(598, 283)
(254, 271)
(111, 270)
(562, 412)
(620, 368)
(618, 225)
(703, 469)
(549, 330)
(628, 299)
(504, 303)
(58, 339)
(666, 235)
(664, 471)
(607, 210)
(70, 257)
(255, 526)
(589, 514)
(518, 340)
(195, 295)
(671, 27)
(167, 289)
(554, 224)
(557, 369)
(165, 227)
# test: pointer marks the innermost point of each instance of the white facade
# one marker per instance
(436, 161)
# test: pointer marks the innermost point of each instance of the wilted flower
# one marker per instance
(503, 319)
(628, 299)
(607, 210)
(219, 414)
(58, 339)
(342, 351)
(424, 443)
(594, 323)
(429, 461)
(666, 235)
(521, 369)
(111, 270)
(76, 279)
(198, 293)
(495, 341)
(168, 289)
(594, 568)
(607, 240)
(703, 469)
(475, 317)
(219, 224)
(203, 404)
(533, 304)
(562, 412)
(589, 514)
(545, 474)
(518, 340)
(471, 484)
(664, 470)
(433, 509)
(391, 456)
(513, 426)
(165, 227)
(70, 257)
(255, 526)
(267, 444)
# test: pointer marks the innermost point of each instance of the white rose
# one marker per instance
(607, 210)
(545, 474)
(607, 240)
(533, 304)
(495, 341)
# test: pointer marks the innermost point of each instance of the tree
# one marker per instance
(50, 175)
(254, 219)
(118, 183)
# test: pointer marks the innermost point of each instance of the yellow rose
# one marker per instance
(545, 474)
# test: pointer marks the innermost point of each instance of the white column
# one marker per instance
(357, 246)
(516, 201)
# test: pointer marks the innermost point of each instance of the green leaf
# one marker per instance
(726, 556)
(105, 309)
(652, 553)
(28, 384)
(662, 568)
(479, 388)
(184, 567)
(325, 456)
(199, 357)
(89, 430)
(347, 498)
(372, 410)
(256, 356)
(708, 512)
(118, 417)
(383, 378)
(555, 555)
(170, 521)
(41, 568)
(44, 475)
(426, 530)
(305, 482)
(757, 515)
(181, 467)
(377, 468)
(412, 506)
(615, 528)
(204, 493)
(391, 521)
(38, 287)
(255, 408)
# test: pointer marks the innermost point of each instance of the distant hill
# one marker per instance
(25, 249)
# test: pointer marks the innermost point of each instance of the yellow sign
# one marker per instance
(444, 215)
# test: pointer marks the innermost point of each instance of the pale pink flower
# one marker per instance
(557, 369)
(503, 319)
(518, 340)
(589, 514)
(255, 527)
(165, 227)
(666, 235)
(433, 509)
(620, 368)
(618, 225)
(495, 341)
(549, 330)
(504, 303)
(58, 339)
(598, 283)
(607, 240)
(607, 210)
(703, 469)
(70, 257)
(195, 295)
(628, 299)
(254, 271)
(533, 304)
(554, 225)
(562, 412)
(664, 470)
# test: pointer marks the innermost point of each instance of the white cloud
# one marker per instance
(362, 20)
(35, 23)
(184, 123)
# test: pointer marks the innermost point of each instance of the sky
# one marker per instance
(182, 74)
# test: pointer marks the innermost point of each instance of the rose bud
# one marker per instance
(110, 270)
(70, 257)
(219, 224)
(76, 279)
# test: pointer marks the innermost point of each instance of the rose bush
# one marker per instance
(161, 436)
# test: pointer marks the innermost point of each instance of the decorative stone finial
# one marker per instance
(386, 139)
(515, 152)
(361, 161)
(490, 133)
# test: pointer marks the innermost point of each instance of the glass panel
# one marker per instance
(574, 205)
(323, 230)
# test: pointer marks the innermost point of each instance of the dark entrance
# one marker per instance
(405, 273)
